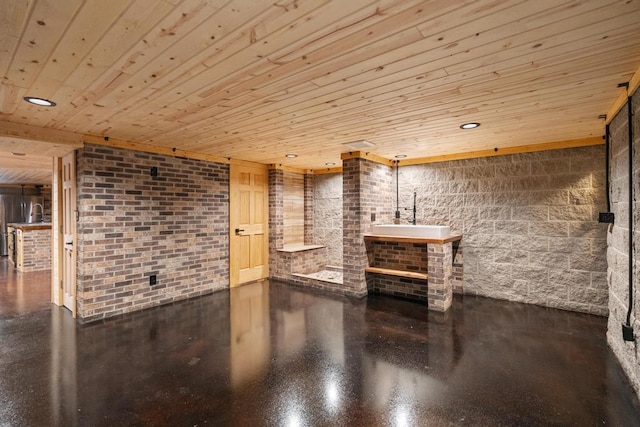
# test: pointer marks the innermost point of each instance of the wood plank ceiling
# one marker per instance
(257, 79)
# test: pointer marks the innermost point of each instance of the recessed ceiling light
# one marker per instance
(330, 164)
(471, 125)
(400, 156)
(18, 154)
(291, 156)
(39, 101)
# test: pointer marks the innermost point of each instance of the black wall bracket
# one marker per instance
(606, 217)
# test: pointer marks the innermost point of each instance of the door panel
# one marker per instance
(248, 220)
(69, 231)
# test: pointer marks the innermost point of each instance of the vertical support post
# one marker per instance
(440, 271)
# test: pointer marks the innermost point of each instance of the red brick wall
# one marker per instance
(132, 225)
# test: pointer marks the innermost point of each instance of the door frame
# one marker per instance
(234, 270)
(57, 241)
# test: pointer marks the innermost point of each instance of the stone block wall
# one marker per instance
(628, 353)
(132, 225)
(327, 215)
(529, 223)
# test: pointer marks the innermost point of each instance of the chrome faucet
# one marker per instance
(33, 212)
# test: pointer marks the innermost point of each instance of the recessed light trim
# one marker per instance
(330, 164)
(470, 125)
(41, 102)
(291, 156)
(400, 156)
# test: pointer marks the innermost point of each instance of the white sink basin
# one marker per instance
(410, 230)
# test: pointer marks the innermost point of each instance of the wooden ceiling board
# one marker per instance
(254, 81)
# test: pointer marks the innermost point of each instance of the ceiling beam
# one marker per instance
(620, 102)
(556, 145)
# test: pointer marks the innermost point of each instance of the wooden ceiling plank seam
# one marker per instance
(136, 22)
(310, 55)
(152, 67)
(262, 130)
(83, 33)
(15, 32)
(449, 130)
(227, 92)
(239, 36)
(39, 39)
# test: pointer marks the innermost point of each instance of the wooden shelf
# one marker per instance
(432, 240)
(401, 273)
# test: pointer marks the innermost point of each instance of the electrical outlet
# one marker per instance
(153, 280)
(373, 217)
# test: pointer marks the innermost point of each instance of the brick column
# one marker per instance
(276, 221)
(308, 209)
(440, 270)
(367, 189)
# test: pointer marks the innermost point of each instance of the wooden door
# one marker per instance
(249, 239)
(69, 231)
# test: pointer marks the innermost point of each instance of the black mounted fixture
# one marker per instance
(154, 171)
(607, 217)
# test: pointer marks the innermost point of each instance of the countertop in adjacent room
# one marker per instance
(24, 226)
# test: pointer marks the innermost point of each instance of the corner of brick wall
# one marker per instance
(132, 225)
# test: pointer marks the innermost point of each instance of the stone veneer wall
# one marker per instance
(132, 225)
(327, 215)
(366, 190)
(529, 223)
(628, 353)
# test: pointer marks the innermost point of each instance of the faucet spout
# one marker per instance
(41, 211)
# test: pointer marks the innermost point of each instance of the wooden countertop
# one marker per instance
(30, 227)
(432, 240)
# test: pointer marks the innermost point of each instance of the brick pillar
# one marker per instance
(367, 189)
(308, 209)
(276, 220)
(440, 270)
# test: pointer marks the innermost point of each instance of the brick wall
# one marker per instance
(366, 190)
(327, 215)
(36, 250)
(309, 202)
(132, 225)
(529, 223)
(628, 353)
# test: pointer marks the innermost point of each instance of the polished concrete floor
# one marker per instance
(270, 354)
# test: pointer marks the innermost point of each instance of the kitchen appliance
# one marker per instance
(20, 205)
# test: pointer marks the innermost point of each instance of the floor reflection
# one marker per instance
(271, 354)
(250, 332)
